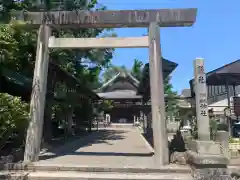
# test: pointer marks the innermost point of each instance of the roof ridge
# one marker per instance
(135, 79)
(226, 65)
(109, 81)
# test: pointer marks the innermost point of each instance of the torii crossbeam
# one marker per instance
(106, 19)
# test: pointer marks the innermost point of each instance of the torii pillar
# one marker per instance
(160, 138)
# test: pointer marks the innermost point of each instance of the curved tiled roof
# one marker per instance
(123, 74)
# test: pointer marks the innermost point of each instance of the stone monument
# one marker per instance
(205, 156)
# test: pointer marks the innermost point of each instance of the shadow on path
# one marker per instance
(105, 136)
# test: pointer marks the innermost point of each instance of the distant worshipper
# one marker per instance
(177, 149)
(177, 143)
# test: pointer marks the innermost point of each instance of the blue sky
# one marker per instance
(215, 36)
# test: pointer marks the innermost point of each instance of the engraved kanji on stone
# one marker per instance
(204, 105)
(201, 79)
(200, 69)
(203, 113)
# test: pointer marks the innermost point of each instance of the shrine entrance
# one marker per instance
(153, 19)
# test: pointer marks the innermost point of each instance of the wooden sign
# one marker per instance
(105, 19)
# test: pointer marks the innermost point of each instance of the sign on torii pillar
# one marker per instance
(153, 19)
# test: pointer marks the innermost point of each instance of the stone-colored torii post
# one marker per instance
(102, 19)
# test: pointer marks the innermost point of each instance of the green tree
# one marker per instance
(13, 120)
(171, 97)
(137, 69)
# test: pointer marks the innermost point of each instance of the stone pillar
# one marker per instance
(108, 118)
(201, 100)
(34, 132)
(157, 97)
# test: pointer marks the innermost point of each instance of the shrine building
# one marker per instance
(129, 95)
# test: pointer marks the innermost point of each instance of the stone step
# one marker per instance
(64, 167)
(70, 175)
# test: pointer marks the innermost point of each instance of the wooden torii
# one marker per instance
(153, 19)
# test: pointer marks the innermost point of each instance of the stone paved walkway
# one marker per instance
(111, 147)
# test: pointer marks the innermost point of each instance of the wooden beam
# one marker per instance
(109, 42)
(112, 19)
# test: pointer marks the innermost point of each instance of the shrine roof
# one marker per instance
(120, 94)
(122, 74)
(144, 86)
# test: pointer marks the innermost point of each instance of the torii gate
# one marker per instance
(102, 19)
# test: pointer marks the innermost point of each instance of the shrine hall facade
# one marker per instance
(130, 96)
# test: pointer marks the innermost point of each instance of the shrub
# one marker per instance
(234, 140)
(213, 128)
(13, 121)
